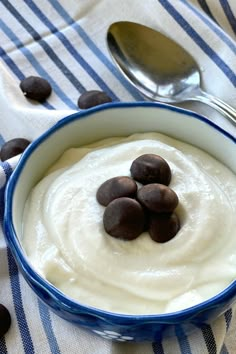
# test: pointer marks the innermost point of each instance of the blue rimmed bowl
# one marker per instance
(118, 119)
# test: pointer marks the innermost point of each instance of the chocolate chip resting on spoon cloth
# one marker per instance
(36, 88)
(93, 98)
(129, 212)
(13, 147)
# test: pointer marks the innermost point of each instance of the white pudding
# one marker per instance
(64, 238)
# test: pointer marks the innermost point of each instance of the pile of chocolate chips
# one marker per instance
(131, 210)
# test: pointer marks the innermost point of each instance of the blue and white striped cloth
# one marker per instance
(64, 42)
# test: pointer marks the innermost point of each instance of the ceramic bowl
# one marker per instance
(118, 119)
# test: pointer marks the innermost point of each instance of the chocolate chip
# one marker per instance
(36, 88)
(93, 98)
(124, 218)
(5, 320)
(158, 198)
(13, 147)
(114, 188)
(163, 226)
(151, 168)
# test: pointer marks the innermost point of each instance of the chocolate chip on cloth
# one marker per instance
(5, 320)
(151, 168)
(116, 187)
(163, 226)
(124, 218)
(13, 147)
(36, 88)
(93, 98)
(158, 198)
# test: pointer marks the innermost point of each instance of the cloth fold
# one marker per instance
(65, 42)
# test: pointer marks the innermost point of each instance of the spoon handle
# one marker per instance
(221, 106)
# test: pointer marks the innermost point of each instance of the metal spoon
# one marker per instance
(159, 67)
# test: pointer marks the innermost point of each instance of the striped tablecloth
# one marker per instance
(64, 42)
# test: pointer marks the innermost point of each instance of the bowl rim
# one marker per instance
(19, 254)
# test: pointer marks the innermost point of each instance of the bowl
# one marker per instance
(115, 119)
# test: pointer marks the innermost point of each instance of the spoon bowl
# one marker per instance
(158, 67)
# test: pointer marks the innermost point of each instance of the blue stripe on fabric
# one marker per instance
(92, 46)
(48, 50)
(10, 63)
(199, 41)
(35, 63)
(18, 305)
(47, 325)
(206, 9)
(228, 317)
(215, 28)
(182, 340)
(158, 348)
(229, 14)
(3, 347)
(71, 49)
(15, 282)
(224, 350)
(7, 171)
(209, 339)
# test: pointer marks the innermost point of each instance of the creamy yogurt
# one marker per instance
(64, 238)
